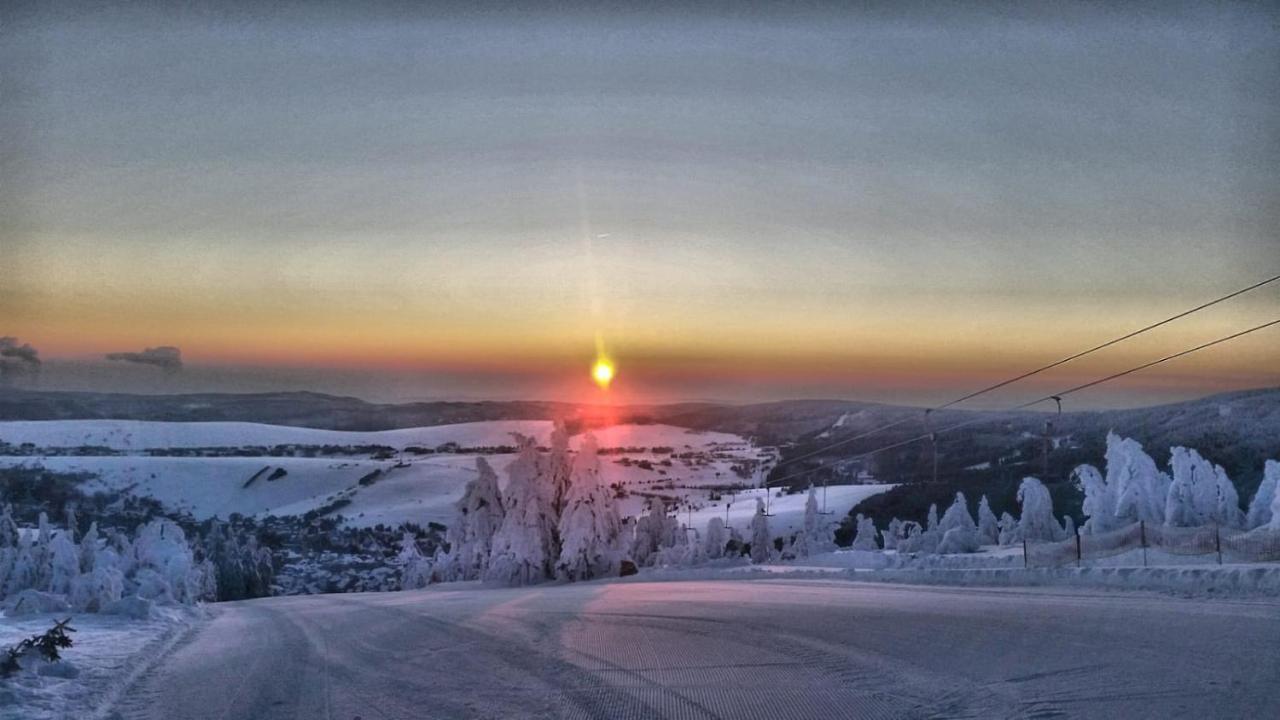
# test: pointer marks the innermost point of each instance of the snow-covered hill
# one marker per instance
(236, 468)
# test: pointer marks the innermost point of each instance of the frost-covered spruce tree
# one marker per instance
(1228, 511)
(1140, 488)
(8, 528)
(890, 536)
(1259, 507)
(1274, 524)
(524, 548)
(1009, 533)
(932, 522)
(716, 538)
(89, 548)
(1099, 504)
(589, 527)
(559, 469)
(865, 537)
(988, 524)
(64, 564)
(1192, 499)
(415, 568)
(165, 568)
(649, 531)
(957, 516)
(761, 539)
(477, 518)
(959, 533)
(802, 546)
(1037, 523)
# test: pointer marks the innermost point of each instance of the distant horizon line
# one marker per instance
(655, 404)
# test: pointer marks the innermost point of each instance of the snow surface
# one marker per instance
(421, 489)
(139, 435)
(109, 653)
(755, 647)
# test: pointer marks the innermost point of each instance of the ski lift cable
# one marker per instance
(1030, 373)
(1037, 401)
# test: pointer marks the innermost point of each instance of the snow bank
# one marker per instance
(1215, 580)
(109, 654)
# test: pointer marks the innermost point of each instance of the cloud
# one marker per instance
(166, 357)
(16, 359)
(9, 348)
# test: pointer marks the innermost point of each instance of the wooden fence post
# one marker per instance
(1217, 541)
(1025, 563)
(1142, 528)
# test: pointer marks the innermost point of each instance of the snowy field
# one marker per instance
(659, 461)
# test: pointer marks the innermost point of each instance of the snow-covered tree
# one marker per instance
(1037, 523)
(650, 532)
(478, 516)
(164, 565)
(932, 523)
(1009, 533)
(865, 536)
(64, 561)
(761, 538)
(1260, 512)
(1140, 488)
(415, 568)
(890, 536)
(1228, 510)
(716, 538)
(959, 533)
(1099, 504)
(957, 516)
(559, 468)
(589, 527)
(524, 548)
(988, 524)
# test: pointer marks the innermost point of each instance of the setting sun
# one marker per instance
(602, 373)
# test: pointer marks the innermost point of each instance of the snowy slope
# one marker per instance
(411, 488)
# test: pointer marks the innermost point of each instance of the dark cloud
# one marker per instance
(16, 360)
(166, 357)
(24, 353)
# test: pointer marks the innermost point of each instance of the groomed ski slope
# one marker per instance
(743, 649)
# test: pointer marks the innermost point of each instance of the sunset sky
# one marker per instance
(898, 205)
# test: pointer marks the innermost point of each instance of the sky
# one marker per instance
(747, 202)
